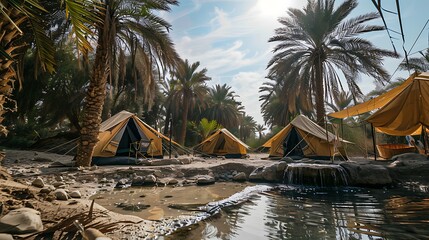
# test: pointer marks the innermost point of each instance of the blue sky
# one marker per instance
(230, 39)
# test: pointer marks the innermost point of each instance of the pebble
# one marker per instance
(38, 182)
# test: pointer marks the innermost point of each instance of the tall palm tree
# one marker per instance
(260, 129)
(276, 108)
(222, 106)
(133, 26)
(316, 41)
(189, 87)
(247, 127)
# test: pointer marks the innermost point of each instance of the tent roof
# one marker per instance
(407, 111)
(124, 115)
(402, 110)
(379, 101)
(306, 125)
(227, 133)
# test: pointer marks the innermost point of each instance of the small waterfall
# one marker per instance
(320, 175)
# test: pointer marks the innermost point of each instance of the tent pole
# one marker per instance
(373, 142)
(327, 139)
(171, 133)
(425, 143)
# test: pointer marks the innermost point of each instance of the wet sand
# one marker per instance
(159, 198)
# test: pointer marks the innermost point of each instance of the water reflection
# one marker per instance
(311, 213)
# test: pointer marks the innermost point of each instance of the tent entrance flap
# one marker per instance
(130, 135)
(294, 144)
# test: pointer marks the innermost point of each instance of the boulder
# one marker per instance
(172, 181)
(47, 189)
(75, 194)
(240, 177)
(122, 183)
(61, 194)
(20, 221)
(59, 178)
(256, 175)
(205, 180)
(137, 181)
(150, 179)
(410, 156)
(38, 182)
(367, 175)
(287, 160)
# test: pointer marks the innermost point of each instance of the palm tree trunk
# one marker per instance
(320, 97)
(167, 120)
(184, 120)
(94, 101)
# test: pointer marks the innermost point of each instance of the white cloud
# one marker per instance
(246, 85)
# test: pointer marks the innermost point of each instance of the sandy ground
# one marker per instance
(25, 166)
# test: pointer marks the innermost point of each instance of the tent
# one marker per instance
(304, 138)
(122, 134)
(401, 111)
(222, 143)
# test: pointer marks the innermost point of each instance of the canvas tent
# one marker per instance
(119, 135)
(222, 143)
(401, 111)
(304, 138)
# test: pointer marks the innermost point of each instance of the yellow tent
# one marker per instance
(302, 137)
(121, 132)
(222, 143)
(401, 111)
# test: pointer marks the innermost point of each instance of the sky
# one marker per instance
(230, 39)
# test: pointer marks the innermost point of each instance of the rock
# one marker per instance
(122, 183)
(61, 194)
(137, 181)
(132, 207)
(271, 173)
(410, 156)
(59, 178)
(58, 184)
(103, 180)
(38, 182)
(158, 174)
(367, 175)
(172, 181)
(205, 180)
(47, 189)
(256, 175)
(240, 177)
(19, 221)
(150, 179)
(75, 194)
(179, 174)
(93, 168)
(5, 236)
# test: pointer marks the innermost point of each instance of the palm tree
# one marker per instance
(260, 129)
(189, 87)
(222, 106)
(20, 21)
(205, 127)
(277, 109)
(417, 64)
(316, 41)
(134, 26)
(247, 127)
(341, 101)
